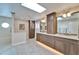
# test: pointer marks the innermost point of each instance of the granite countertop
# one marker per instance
(74, 37)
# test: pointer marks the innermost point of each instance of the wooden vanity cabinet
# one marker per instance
(48, 40)
(78, 50)
(52, 23)
(66, 46)
(40, 38)
(70, 47)
(63, 45)
(60, 44)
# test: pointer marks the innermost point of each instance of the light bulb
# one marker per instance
(64, 15)
(43, 21)
(68, 14)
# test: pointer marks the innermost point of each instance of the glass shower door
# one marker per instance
(5, 32)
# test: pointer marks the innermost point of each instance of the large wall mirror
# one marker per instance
(43, 25)
(68, 25)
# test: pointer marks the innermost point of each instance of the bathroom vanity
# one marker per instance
(62, 33)
(66, 44)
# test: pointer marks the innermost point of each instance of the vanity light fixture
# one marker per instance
(64, 15)
(43, 21)
(68, 14)
(34, 6)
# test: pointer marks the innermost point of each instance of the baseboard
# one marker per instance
(14, 44)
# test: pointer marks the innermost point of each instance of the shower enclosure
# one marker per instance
(5, 32)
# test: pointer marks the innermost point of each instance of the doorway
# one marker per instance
(31, 29)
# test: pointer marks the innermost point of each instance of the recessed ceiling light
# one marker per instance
(64, 15)
(34, 6)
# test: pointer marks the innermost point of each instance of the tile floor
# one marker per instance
(31, 47)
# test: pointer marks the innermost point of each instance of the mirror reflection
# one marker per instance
(68, 25)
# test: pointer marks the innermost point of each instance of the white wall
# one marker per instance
(5, 34)
(19, 38)
(19, 35)
(16, 26)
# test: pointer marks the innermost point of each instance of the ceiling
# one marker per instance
(26, 14)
